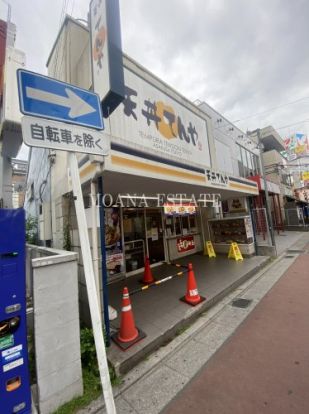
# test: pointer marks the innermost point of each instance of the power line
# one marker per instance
(262, 112)
(271, 109)
(295, 123)
(276, 128)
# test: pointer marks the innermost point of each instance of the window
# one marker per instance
(224, 157)
(177, 222)
(248, 162)
(180, 225)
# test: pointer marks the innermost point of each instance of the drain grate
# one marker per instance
(241, 303)
(289, 257)
(295, 251)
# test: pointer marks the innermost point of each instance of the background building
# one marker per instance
(11, 59)
(19, 178)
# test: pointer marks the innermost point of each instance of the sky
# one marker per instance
(242, 57)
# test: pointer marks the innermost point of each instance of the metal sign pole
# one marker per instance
(104, 269)
(91, 286)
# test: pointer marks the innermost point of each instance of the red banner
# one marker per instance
(185, 244)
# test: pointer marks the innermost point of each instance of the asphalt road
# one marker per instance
(264, 366)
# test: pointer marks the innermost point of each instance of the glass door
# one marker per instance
(155, 236)
(134, 238)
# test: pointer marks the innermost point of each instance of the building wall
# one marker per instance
(56, 326)
(11, 59)
(2, 54)
(70, 62)
(15, 59)
(272, 162)
(6, 188)
(227, 156)
(19, 182)
(273, 158)
(38, 181)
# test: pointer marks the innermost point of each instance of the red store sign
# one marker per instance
(185, 244)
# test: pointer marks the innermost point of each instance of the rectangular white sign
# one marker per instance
(44, 133)
(151, 121)
(13, 365)
(11, 351)
(99, 47)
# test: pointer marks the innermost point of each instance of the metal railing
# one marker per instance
(297, 216)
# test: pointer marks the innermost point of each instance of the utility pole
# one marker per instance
(268, 212)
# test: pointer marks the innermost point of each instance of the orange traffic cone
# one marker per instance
(147, 278)
(192, 296)
(128, 333)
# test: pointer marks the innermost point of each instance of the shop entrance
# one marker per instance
(155, 239)
(143, 235)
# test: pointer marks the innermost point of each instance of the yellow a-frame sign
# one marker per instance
(234, 252)
(209, 249)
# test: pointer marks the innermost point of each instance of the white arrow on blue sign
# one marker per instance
(49, 98)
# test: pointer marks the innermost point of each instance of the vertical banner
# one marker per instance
(106, 53)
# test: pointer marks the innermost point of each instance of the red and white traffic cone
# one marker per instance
(147, 278)
(128, 333)
(192, 296)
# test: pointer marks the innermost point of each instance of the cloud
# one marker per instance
(240, 56)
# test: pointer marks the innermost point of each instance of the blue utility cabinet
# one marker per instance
(15, 395)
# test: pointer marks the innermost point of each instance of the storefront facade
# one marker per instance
(159, 235)
(171, 231)
(167, 226)
(162, 156)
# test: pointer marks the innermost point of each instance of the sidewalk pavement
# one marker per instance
(285, 239)
(155, 381)
(158, 311)
(264, 366)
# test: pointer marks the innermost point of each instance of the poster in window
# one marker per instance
(114, 251)
(249, 229)
(185, 244)
(154, 234)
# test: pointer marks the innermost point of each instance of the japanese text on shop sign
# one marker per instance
(217, 178)
(163, 116)
(62, 136)
(185, 243)
(100, 34)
